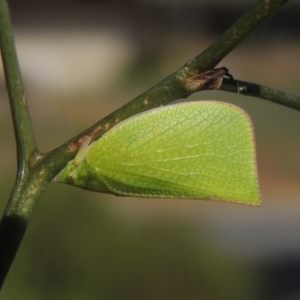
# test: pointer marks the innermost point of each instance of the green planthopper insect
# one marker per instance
(203, 150)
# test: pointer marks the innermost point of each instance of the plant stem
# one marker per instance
(28, 185)
(254, 17)
(17, 215)
(263, 92)
(25, 140)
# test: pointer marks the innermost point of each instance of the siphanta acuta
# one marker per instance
(202, 150)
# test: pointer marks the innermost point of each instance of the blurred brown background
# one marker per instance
(83, 59)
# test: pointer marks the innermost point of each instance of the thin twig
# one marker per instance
(254, 17)
(24, 195)
(22, 124)
(262, 92)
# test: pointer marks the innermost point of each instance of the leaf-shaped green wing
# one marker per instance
(199, 150)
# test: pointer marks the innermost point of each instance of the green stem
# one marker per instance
(254, 17)
(25, 140)
(28, 185)
(17, 215)
(263, 92)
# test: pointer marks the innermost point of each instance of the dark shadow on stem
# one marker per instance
(12, 230)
